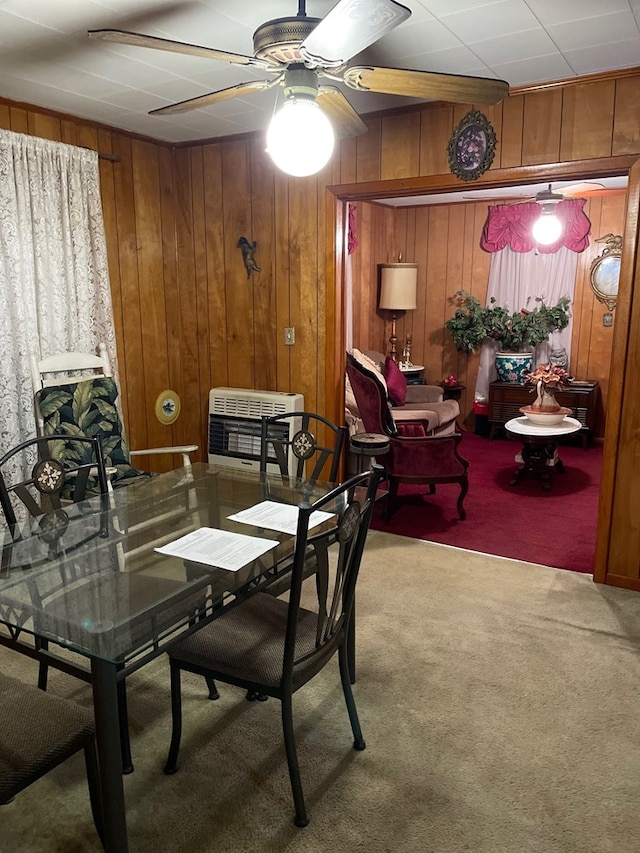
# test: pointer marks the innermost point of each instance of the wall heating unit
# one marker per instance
(235, 421)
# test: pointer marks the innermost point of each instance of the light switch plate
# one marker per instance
(289, 335)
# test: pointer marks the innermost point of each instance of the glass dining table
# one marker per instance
(89, 579)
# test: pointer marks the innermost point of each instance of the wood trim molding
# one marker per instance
(620, 368)
(547, 172)
(621, 581)
(598, 77)
(79, 120)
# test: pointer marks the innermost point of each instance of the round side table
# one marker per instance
(368, 445)
(539, 455)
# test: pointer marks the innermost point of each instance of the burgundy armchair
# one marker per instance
(413, 456)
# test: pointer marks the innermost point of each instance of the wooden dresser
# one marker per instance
(506, 399)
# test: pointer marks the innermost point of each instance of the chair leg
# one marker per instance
(464, 488)
(123, 719)
(93, 780)
(392, 494)
(358, 740)
(252, 696)
(43, 672)
(176, 722)
(213, 690)
(351, 644)
(301, 818)
(43, 668)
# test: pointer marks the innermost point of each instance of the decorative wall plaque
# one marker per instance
(167, 407)
(472, 146)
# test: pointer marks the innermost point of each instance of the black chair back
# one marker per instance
(54, 478)
(291, 440)
(335, 579)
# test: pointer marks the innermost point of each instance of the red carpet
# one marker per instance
(523, 522)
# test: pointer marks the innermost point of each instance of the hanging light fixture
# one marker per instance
(547, 229)
(300, 137)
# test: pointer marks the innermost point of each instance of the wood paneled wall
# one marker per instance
(444, 240)
(187, 316)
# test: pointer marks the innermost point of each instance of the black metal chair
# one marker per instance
(293, 452)
(68, 469)
(274, 647)
(300, 454)
(54, 478)
(39, 731)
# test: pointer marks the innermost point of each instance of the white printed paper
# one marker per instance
(218, 548)
(276, 516)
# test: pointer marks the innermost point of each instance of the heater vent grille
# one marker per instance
(235, 421)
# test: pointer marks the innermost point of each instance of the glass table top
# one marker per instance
(89, 578)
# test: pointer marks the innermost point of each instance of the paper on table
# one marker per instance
(277, 516)
(218, 548)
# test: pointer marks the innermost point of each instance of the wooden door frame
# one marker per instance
(622, 365)
(337, 198)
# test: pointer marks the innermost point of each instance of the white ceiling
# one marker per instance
(47, 59)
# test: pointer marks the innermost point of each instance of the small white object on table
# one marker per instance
(410, 368)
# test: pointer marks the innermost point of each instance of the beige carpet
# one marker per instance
(500, 702)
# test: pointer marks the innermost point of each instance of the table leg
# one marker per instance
(541, 459)
(105, 703)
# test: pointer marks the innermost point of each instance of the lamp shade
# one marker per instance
(398, 287)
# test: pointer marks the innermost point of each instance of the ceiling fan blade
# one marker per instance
(582, 189)
(348, 28)
(506, 196)
(341, 114)
(139, 40)
(427, 85)
(216, 97)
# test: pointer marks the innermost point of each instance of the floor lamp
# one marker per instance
(398, 292)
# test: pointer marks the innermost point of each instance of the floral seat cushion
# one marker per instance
(88, 408)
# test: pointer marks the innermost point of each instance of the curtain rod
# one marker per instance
(113, 158)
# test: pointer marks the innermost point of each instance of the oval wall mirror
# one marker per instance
(605, 270)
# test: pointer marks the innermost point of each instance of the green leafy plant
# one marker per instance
(472, 322)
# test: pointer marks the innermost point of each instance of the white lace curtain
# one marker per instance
(54, 280)
(515, 279)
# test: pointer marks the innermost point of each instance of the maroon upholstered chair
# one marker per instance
(414, 456)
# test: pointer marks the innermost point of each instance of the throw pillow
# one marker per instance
(370, 365)
(88, 408)
(396, 382)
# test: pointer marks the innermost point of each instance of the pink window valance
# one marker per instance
(512, 224)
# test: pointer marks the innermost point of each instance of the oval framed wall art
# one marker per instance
(472, 146)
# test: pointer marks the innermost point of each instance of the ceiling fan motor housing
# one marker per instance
(278, 41)
(300, 82)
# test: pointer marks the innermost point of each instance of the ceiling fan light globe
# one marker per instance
(547, 229)
(300, 138)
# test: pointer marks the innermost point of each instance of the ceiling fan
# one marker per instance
(547, 196)
(301, 52)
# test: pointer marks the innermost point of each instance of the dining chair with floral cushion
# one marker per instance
(75, 394)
